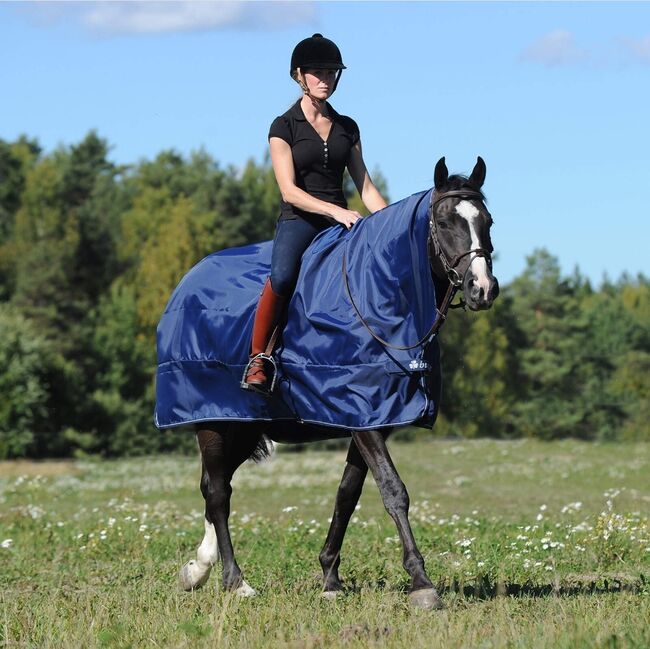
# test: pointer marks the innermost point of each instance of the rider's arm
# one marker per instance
(370, 195)
(285, 176)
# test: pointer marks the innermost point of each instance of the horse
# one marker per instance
(459, 259)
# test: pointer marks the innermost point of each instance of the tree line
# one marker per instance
(91, 250)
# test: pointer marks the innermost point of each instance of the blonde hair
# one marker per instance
(298, 77)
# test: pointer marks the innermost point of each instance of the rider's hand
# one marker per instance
(346, 217)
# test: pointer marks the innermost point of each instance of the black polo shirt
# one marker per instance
(319, 164)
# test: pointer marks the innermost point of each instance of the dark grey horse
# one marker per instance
(460, 257)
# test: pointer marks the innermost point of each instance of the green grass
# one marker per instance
(533, 545)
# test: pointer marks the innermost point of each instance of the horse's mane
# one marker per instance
(458, 181)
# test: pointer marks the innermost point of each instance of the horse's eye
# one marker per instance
(443, 225)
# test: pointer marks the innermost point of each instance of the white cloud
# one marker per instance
(138, 17)
(555, 48)
(636, 50)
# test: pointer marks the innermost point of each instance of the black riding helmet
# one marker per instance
(317, 53)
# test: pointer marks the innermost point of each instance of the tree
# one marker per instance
(480, 371)
(549, 356)
(25, 361)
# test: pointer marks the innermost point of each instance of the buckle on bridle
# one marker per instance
(454, 277)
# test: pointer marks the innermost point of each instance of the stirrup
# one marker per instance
(254, 388)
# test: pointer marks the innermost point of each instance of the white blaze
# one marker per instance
(478, 265)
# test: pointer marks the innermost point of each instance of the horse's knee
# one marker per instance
(397, 500)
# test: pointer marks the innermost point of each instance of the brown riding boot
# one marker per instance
(269, 311)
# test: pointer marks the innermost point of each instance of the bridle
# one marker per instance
(449, 266)
(452, 275)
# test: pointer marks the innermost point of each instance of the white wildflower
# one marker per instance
(34, 511)
(288, 509)
(7, 543)
(465, 543)
(571, 507)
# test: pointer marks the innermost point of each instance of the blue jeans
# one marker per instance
(292, 238)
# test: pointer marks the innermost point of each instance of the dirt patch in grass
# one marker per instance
(31, 468)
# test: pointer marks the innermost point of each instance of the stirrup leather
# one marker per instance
(248, 386)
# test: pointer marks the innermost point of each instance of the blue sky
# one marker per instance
(554, 96)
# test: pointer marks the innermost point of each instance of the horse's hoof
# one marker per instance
(427, 598)
(193, 576)
(245, 590)
(331, 595)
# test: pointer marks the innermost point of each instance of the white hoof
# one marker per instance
(330, 595)
(245, 590)
(193, 575)
(427, 598)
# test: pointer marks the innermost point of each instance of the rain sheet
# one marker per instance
(331, 371)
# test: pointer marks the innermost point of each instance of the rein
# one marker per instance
(455, 280)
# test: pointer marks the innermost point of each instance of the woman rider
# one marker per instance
(311, 145)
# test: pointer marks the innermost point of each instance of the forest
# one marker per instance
(91, 250)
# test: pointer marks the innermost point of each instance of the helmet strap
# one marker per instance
(336, 83)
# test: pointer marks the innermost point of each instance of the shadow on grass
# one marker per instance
(484, 588)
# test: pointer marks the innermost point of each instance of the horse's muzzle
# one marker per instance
(479, 297)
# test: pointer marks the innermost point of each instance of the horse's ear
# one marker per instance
(441, 174)
(478, 174)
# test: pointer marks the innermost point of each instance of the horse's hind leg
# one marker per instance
(372, 447)
(196, 572)
(347, 498)
(224, 447)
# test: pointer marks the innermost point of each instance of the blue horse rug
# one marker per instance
(331, 371)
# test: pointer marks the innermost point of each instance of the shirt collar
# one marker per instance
(298, 115)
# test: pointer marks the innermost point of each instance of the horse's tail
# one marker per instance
(263, 450)
(209, 434)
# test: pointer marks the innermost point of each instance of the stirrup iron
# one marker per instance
(248, 386)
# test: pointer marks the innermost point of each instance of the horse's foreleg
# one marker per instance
(222, 451)
(196, 572)
(347, 497)
(373, 450)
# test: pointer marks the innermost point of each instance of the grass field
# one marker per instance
(533, 545)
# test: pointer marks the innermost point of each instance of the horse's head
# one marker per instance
(459, 235)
